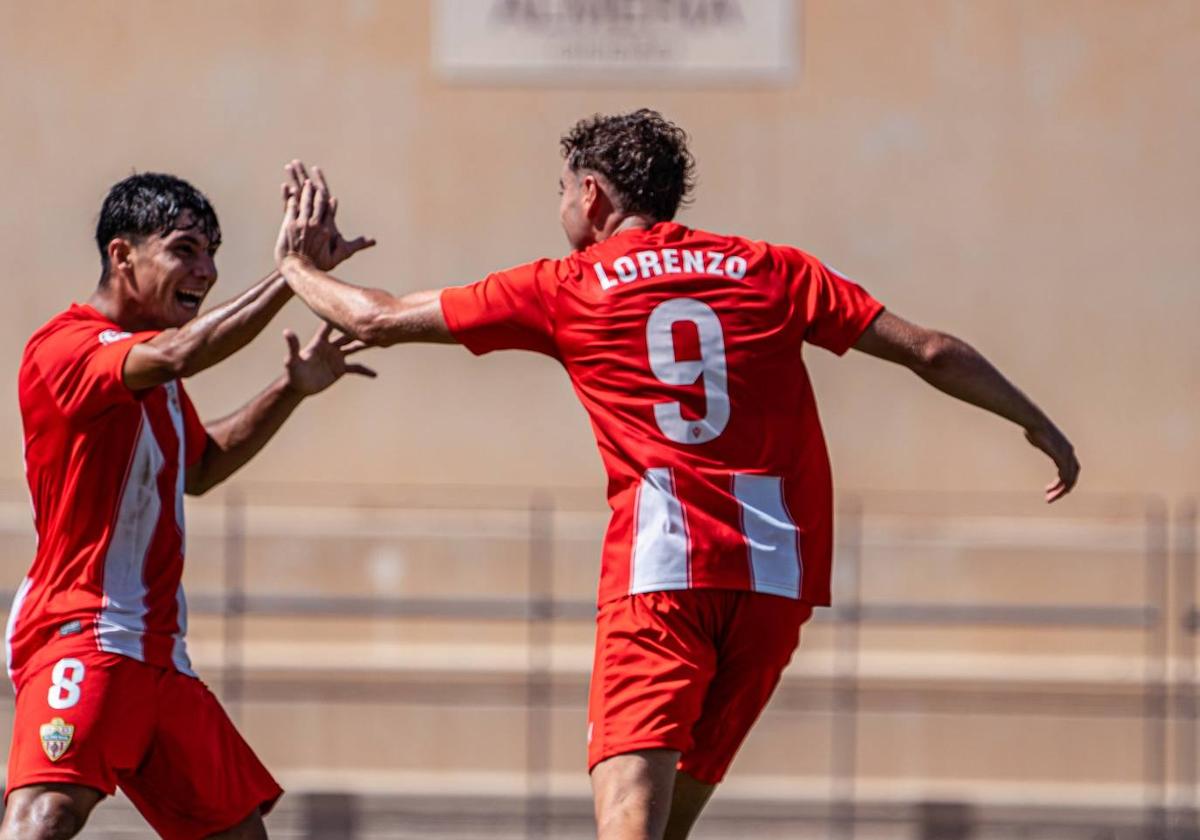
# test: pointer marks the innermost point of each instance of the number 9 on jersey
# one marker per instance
(660, 343)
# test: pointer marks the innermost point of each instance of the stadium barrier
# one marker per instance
(909, 641)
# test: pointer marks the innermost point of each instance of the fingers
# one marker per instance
(319, 199)
(290, 207)
(295, 179)
(1068, 476)
(319, 178)
(361, 370)
(1056, 491)
(333, 206)
(349, 345)
(360, 244)
(293, 343)
(297, 172)
(321, 336)
(306, 201)
(1054, 443)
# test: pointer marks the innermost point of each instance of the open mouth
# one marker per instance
(189, 299)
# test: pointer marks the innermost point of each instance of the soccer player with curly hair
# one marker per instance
(685, 348)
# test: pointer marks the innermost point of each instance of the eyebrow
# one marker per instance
(188, 238)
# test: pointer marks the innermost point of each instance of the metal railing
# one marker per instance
(1164, 613)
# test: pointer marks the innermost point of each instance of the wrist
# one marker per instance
(295, 262)
(288, 390)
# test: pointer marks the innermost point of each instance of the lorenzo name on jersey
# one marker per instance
(685, 349)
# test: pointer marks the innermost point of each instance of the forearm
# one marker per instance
(209, 338)
(352, 309)
(235, 439)
(372, 315)
(223, 331)
(957, 369)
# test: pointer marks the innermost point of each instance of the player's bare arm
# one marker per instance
(207, 340)
(235, 439)
(375, 316)
(955, 368)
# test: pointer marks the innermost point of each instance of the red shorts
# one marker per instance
(687, 670)
(105, 721)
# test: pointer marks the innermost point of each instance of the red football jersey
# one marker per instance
(105, 467)
(685, 349)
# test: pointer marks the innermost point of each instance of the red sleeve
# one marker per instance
(836, 310)
(508, 310)
(82, 365)
(195, 436)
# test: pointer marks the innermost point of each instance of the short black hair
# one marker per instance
(642, 155)
(152, 203)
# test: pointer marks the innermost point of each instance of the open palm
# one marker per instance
(322, 361)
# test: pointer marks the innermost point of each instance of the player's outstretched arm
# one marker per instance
(372, 315)
(234, 440)
(955, 368)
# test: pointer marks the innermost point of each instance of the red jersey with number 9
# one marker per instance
(685, 348)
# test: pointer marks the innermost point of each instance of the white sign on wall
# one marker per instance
(642, 41)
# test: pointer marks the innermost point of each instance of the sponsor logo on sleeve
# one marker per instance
(56, 738)
(109, 336)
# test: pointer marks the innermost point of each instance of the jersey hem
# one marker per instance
(782, 590)
(763, 589)
(665, 586)
(663, 743)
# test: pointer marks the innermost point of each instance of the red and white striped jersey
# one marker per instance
(685, 349)
(105, 467)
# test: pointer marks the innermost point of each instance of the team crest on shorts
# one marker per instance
(56, 737)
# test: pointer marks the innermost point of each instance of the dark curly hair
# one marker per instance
(642, 155)
(152, 203)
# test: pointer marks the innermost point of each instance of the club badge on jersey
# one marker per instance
(56, 738)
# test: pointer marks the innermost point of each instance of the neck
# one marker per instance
(109, 302)
(619, 223)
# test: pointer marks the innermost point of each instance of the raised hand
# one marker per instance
(322, 361)
(304, 232)
(339, 248)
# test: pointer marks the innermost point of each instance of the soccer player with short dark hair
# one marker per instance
(685, 348)
(106, 694)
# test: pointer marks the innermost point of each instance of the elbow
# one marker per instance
(373, 329)
(202, 478)
(377, 325)
(937, 351)
(175, 359)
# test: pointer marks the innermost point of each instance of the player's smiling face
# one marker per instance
(172, 274)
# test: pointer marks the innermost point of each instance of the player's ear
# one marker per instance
(120, 255)
(590, 195)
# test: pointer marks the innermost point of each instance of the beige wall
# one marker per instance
(1023, 173)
